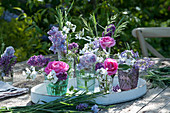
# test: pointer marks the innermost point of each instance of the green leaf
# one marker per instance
(123, 67)
(71, 88)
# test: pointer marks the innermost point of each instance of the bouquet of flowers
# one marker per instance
(7, 61)
(129, 66)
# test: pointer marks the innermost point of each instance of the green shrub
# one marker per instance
(25, 42)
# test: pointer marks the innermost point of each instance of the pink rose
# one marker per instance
(57, 66)
(107, 42)
(112, 66)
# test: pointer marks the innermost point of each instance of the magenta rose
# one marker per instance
(57, 66)
(112, 66)
(107, 42)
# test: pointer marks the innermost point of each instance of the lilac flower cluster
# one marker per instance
(96, 44)
(7, 60)
(81, 106)
(128, 57)
(62, 76)
(87, 61)
(58, 40)
(109, 31)
(73, 47)
(38, 61)
(99, 66)
(143, 64)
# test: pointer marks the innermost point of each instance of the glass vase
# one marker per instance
(61, 56)
(128, 80)
(105, 83)
(57, 89)
(85, 81)
(7, 78)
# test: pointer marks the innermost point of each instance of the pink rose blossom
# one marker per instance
(112, 66)
(57, 66)
(107, 42)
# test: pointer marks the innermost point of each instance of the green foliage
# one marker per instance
(65, 104)
(159, 77)
(25, 43)
(39, 16)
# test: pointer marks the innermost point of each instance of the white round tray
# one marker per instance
(39, 93)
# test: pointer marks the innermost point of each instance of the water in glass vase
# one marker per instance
(6, 78)
(57, 89)
(85, 81)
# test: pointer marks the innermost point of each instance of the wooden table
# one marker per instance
(156, 99)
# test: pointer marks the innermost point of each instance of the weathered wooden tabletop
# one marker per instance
(156, 100)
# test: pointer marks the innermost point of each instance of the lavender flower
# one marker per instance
(128, 57)
(87, 61)
(131, 59)
(58, 40)
(62, 76)
(116, 88)
(143, 64)
(99, 66)
(38, 61)
(81, 106)
(109, 31)
(73, 47)
(96, 44)
(9, 51)
(7, 63)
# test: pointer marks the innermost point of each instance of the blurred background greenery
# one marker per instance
(24, 23)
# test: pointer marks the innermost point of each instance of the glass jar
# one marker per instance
(128, 80)
(57, 89)
(86, 80)
(7, 78)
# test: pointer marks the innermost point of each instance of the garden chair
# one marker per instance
(150, 32)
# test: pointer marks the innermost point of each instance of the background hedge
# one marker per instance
(27, 33)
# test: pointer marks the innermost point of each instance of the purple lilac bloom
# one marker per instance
(9, 51)
(38, 61)
(116, 88)
(58, 40)
(143, 64)
(87, 61)
(96, 44)
(7, 63)
(99, 66)
(81, 106)
(109, 31)
(72, 47)
(62, 76)
(129, 53)
(8, 60)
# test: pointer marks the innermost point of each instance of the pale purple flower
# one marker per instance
(38, 61)
(87, 61)
(96, 44)
(58, 40)
(9, 51)
(143, 64)
(81, 106)
(7, 60)
(7, 63)
(73, 47)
